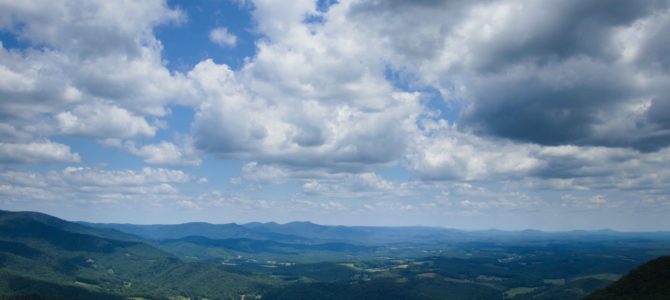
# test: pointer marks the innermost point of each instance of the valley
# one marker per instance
(43, 255)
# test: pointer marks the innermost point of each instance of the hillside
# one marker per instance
(650, 281)
(40, 255)
(74, 227)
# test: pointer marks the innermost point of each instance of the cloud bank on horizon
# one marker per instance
(470, 114)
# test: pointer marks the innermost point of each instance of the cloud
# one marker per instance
(222, 37)
(301, 204)
(87, 29)
(88, 185)
(218, 199)
(237, 121)
(116, 178)
(103, 121)
(547, 95)
(578, 92)
(356, 186)
(36, 152)
(603, 169)
(597, 201)
(81, 60)
(312, 97)
(541, 72)
(255, 172)
(166, 153)
(442, 152)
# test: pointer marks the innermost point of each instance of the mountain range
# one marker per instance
(45, 257)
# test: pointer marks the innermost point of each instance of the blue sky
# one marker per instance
(467, 114)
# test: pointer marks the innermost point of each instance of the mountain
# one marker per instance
(205, 248)
(256, 246)
(358, 234)
(69, 226)
(310, 233)
(40, 254)
(212, 231)
(293, 232)
(650, 281)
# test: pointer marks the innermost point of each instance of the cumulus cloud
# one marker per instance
(222, 37)
(93, 185)
(544, 72)
(239, 122)
(103, 121)
(36, 152)
(310, 94)
(597, 201)
(219, 199)
(92, 177)
(549, 92)
(166, 153)
(312, 97)
(88, 50)
(356, 186)
(445, 153)
(84, 60)
(600, 168)
(451, 155)
(263, 173)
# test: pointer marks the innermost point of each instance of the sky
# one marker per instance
(515, 114)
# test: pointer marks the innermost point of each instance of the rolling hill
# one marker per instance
(211, 231)
(44, 255)
(311, 233)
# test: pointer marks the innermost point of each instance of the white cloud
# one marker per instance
(594, 202)
(222, 37)
(103, 121)
(97, 50)
(188, 204)
(316, 95)
(119, 178)
(165, 153)
(312, 97)
(81, 184)
(36, 152)
(565, 81)
(85, 60)
(600, 168)
(87, 28)
(218, 199)
(238, 122)
(263, 173)
(445, 153)
(357, 186)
